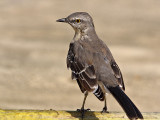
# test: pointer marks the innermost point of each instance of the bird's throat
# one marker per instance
(77, 35)
(88, 34)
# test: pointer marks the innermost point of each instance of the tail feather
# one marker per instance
(99, 93)
(127, 105)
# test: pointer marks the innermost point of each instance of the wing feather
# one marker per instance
(118, 74)
(84, 73)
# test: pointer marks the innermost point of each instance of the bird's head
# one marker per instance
(79, 21)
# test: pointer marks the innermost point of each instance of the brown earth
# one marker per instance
(33, 49)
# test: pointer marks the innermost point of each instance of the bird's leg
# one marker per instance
(82, 110)
(104, 110)
(85, 96)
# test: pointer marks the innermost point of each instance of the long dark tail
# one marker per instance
(127, 105)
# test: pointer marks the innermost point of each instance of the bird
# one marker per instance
(93, 66)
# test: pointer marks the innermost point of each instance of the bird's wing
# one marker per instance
(82, 69)
(118, 74)
(116, 70)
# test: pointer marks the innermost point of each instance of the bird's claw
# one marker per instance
(83, 111)
(104, 110)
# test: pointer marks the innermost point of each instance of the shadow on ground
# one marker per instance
(88, 115)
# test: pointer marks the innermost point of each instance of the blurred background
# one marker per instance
(33, 50)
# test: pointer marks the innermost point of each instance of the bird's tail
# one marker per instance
(99, 93)
(125, 102)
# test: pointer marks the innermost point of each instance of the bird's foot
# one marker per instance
(104, 110)
(82, 110)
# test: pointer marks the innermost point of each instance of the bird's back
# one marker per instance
(96, 53)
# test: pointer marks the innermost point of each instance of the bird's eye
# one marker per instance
(78, 20)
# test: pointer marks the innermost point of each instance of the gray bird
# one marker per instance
(93, 66)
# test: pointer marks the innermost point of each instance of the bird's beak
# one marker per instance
(62, 20)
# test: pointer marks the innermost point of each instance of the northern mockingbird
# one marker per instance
(93, 65)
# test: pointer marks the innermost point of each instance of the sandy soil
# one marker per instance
(33, 49)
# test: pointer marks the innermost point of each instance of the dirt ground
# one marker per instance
(33, 49)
